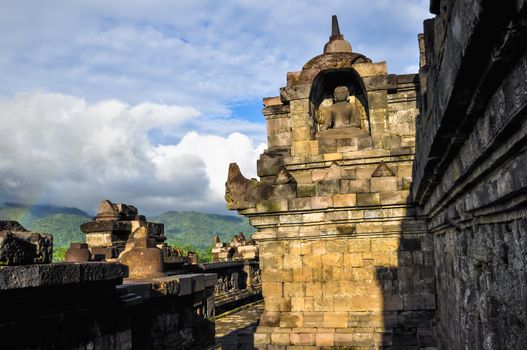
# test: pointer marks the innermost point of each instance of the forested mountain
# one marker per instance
(199, 229)
(185, 229)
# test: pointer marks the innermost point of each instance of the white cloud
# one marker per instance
(60, 149)
(199, 53)
(75, 75)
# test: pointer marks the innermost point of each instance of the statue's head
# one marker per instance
(341, 93)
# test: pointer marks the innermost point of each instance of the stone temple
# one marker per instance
(344, 253)
(390, 213)
(390, 209)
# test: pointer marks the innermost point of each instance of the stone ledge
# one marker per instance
(44, 275)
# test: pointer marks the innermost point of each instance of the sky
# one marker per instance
(147, 102)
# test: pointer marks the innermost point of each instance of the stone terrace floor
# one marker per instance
(235, 331)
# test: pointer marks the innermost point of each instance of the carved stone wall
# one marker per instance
(86, 306)
(470, 169)
(238, 282)
(345, 256)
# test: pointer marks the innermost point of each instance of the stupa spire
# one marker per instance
(336, 42)
(335, 30)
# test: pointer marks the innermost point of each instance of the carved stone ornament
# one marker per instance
(240, 192)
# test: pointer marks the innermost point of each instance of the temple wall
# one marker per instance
(470, 170)
(86, 306)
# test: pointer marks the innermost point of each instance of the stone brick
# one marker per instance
(344, 200)
(368, 303)
(300, 148)
(297, 304)
(332, 259)
(279, 338)
(313, 217)
(269, 206)
(359, 186)
(313, 260)
(319, 247)
(363, 274)
(336, 215)
(331, 287)
(298, 275)
(306, 190)
(291, 319)
(371, 69)
(369, 227)
(359, 245)
(313, 289)
(328, 187)
(381, 259)
(300, 134)
(325, 339)
(384, 244)
(335, 320)
(310, 231)
(353, 260)
(394, 197)
(261, 338)
(332, 156)
(383, 184)
(313, 319)
(272, 289)
(344, 303)
(323, 303)
(306, 247)
(321, 202)
(292, 261)
(367, 199)
(293, 289)
(318, 175)
(281, 139)
(302, 338)
(277, 275)
(337, 246)
(299, 106)
(343, 339)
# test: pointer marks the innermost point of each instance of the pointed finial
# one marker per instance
(336, 43)
(334, 26)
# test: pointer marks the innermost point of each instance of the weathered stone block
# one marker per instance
(359, 186)
(328, 187)
(359, 245)
(306, 190)
(321, 202)
(303, 339)
(353, 260)
(383, 184)
(371, 69)
(291, 319)
(344, 200)
(367, 199)
(325, 339)
(279, 339)
(335, 319)
(301, 148)
(270, 206)
(337, 246)
(385, 244)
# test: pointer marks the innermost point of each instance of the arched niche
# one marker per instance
(322, 89)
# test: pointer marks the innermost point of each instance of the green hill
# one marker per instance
(189, 230)
(198, 229)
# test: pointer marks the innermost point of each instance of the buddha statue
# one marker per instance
(341, 114)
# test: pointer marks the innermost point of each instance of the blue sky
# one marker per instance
(146, 102)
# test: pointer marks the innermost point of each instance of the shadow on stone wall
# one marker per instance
(407, 283)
